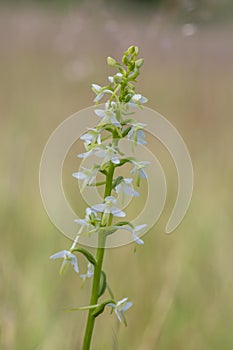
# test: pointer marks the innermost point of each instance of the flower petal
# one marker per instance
(59, 255)
(99, 207)
(74, 263)
(79, 176)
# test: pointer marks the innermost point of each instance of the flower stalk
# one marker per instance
(103, 143)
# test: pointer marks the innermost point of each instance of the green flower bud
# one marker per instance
(131, 50)
(136, 50)
(131, 66)
(139, 62)
(111, 62)
(134, 74)
(125, 60)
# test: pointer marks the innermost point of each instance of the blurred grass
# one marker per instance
(181, 285)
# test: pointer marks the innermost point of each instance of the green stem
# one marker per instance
(98, 267)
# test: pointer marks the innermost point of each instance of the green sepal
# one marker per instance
(123, 223)
(103, 171)
(108, 230)
(126, 131)
(103, 284)
(100, 308)
(87, 254)
(128, 98)
(118, 132)
(117, 181)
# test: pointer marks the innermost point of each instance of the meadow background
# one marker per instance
(181, 285)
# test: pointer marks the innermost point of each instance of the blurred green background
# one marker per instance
(181, 285)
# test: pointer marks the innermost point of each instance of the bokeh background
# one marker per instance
(181, 285)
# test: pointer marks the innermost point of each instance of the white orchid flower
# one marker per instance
(120, 307)
(67, 257)
(87, 176)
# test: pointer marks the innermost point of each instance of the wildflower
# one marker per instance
(109, 153)
(90, 220)
(91, 138)
(87, 175)
(108, 117)
(101, 94)
(118, 78)
(139, 168)
(96, 88)
(108, 207)
(136, 133)
(126, 186)
(139, 99)
(120, 307)
(67, 257)
(135, 232)
(110, 78)
(86, 154)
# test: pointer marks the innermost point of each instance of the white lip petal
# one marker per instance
(137, 239)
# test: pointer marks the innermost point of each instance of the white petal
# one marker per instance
(140, 227)
(117, 212)
(142, 174)
(121, 301)
(133, 171)
(130, 191)
(115, 160)
(86, 137)
(88, 211)
(96, 87)
(79, 176)
(118, 315)
(59, 255)
(86, 154)
(110, 198)
(128, 180)
(98, 97)
(100, 113)
(74, 263)
(80, 221)
(137, 239)
(100, 153)
(99, 207)
(143, 99)
(127, 306)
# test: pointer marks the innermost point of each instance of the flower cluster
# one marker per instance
(103, 144)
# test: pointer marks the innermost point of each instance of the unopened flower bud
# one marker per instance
(111, 62)
(125, 60)
(131, 50)
(136, 50)
(139, 62)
